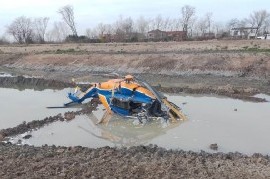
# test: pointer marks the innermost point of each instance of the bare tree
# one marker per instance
(266, 27)
(101, 28)
(158, 21)
(67, 14)
(3, 40)
(201, 26)
(118, 29)
(188, 12)
(91, 33)
(40, 25)
(232, 23)
(142, 25)
(108, 28)
(127, 25)
(258, 19)
(174, 24)
(208, 19)
(21, 29)
(58, 33)
(218, 28)
(165, 24)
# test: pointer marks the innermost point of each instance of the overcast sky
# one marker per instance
(89, 13)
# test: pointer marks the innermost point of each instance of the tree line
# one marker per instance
(35, 30)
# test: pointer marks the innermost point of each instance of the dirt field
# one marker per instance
(237, 69)
(220, 58)
(222, 67)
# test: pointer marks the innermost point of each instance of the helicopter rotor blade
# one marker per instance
(157, 94)
(173, 111)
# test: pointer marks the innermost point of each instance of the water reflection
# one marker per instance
(128, 132)
(234, 125)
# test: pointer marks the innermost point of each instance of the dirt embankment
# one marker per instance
(21, 82)
(135, 162)
(219, 58)
(246, 93)
(37, 124)
(230, 68)
(158, 58)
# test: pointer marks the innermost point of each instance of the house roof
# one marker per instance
(244, 28)
(155, 31)
(176, 32)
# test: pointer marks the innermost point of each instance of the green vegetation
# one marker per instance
(245, 47)
(59, 51)
(224, 48)
(255, 48)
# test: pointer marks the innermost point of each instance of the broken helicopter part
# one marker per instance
(129, 97)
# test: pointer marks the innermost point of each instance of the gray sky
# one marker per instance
(89, 13)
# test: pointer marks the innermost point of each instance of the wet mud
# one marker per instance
(21, 82)
(228, 91)
(196, 68)
(134, 162)
(37, 124)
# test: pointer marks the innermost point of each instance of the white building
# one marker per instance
(244, 32)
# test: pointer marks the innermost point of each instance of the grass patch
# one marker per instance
(245, 47)
(256, 49)
(59, 51)
(224, 48)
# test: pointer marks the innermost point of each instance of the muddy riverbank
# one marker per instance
(21, 82)
(37, 124)
(134, 162)
(237, 92)
(236, 69)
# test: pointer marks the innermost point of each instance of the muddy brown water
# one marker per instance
(17, 106)
(235, 125)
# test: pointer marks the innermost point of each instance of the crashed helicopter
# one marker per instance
(129, 97)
